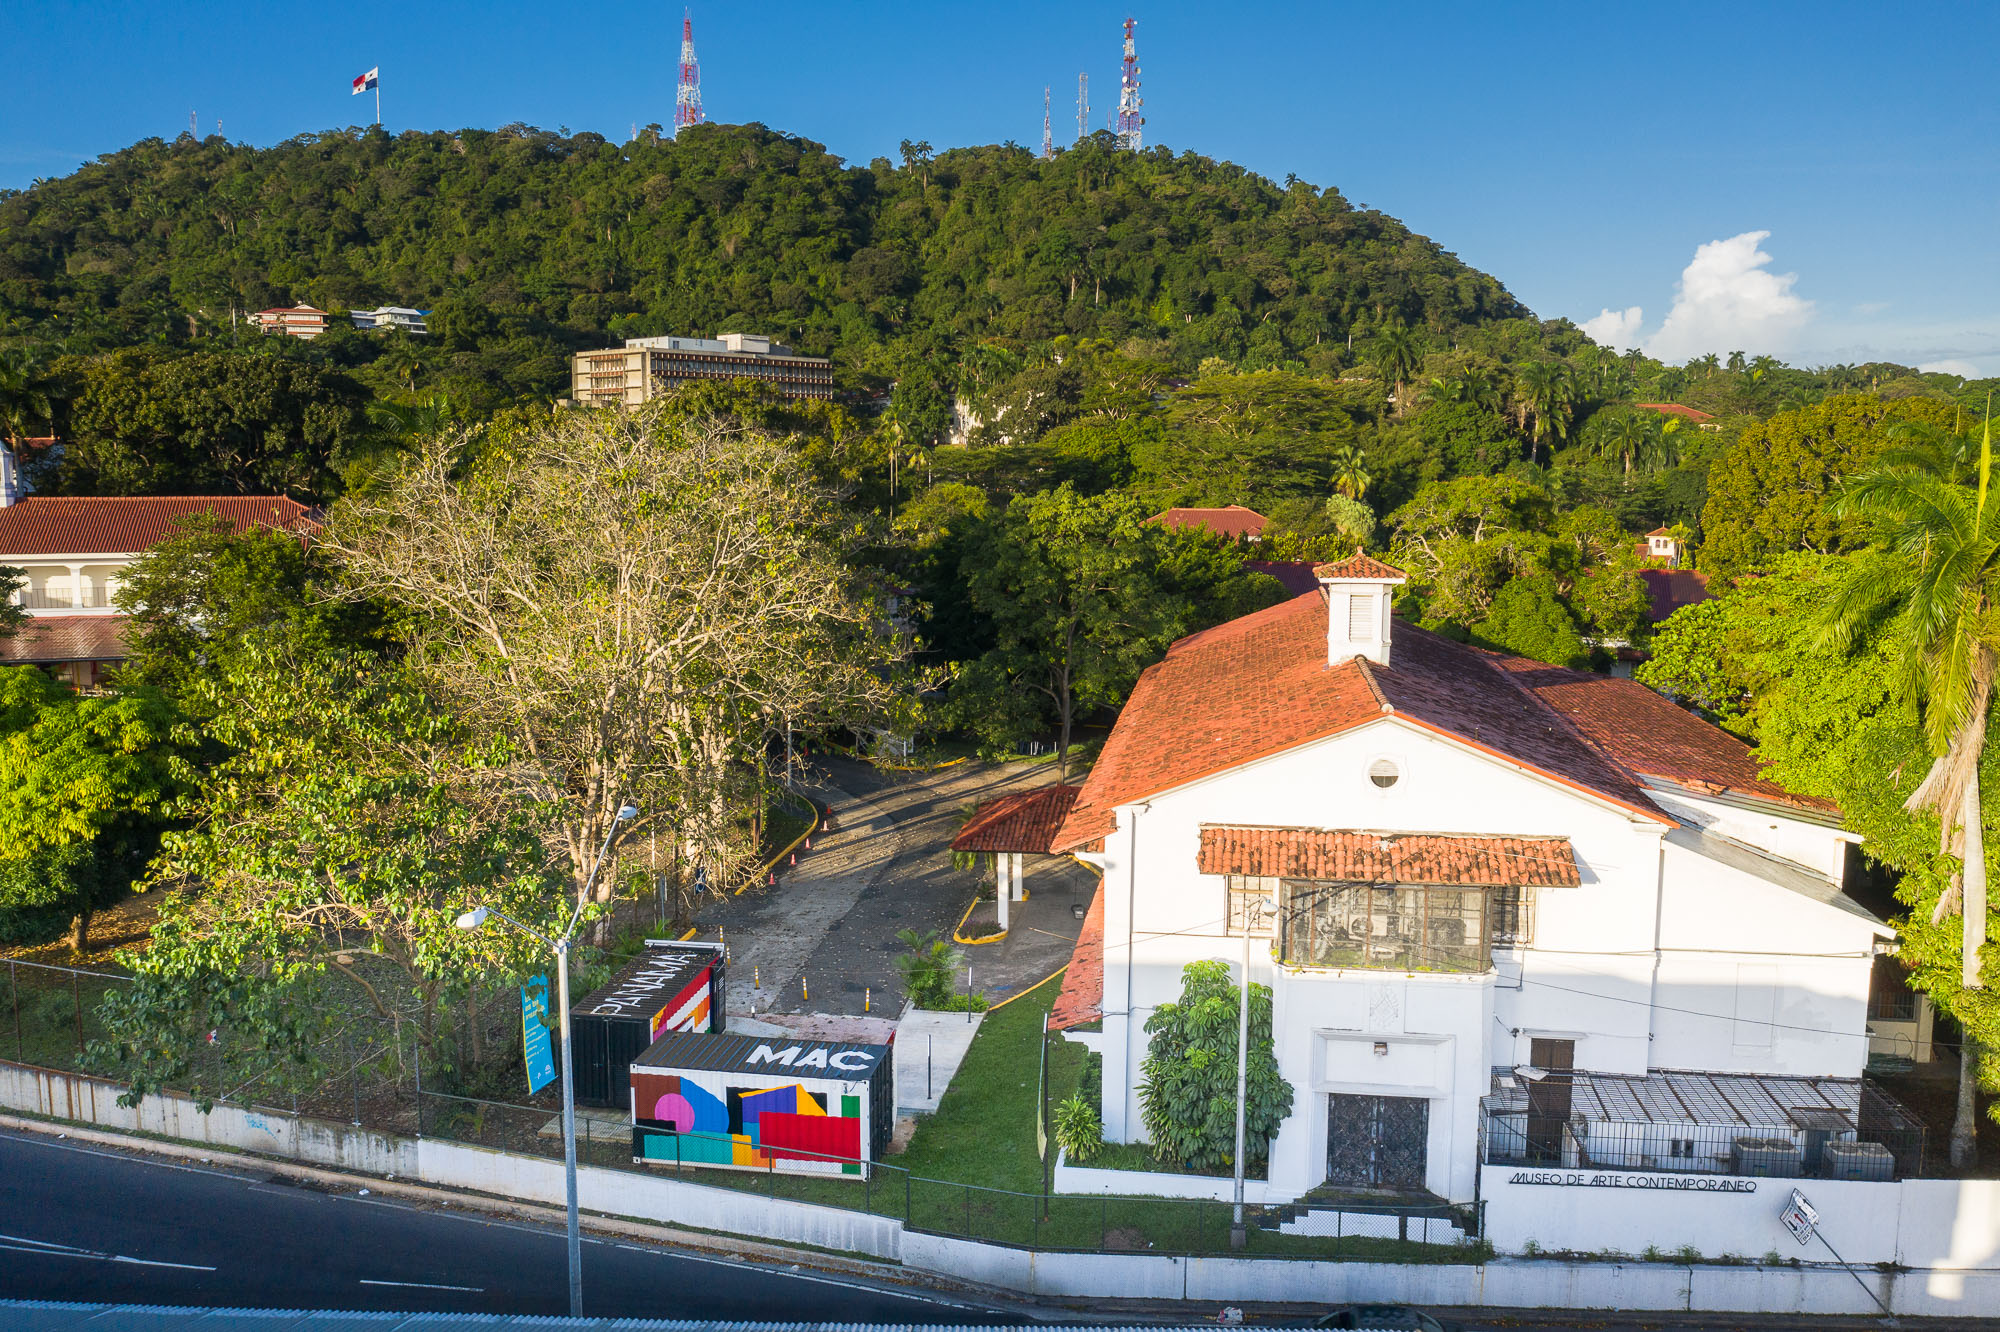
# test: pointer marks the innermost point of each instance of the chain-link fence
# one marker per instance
(360, 1070)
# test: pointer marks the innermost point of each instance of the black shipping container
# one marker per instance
(672, 986)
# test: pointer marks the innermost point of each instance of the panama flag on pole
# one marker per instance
(363, 82)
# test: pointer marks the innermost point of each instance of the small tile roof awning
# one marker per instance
(46, 640)
(1018, 821)
(1082, 997)
(1740, 1100)
(1400, 858)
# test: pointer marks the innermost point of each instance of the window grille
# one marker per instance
(1246, 910)
(1510, 915)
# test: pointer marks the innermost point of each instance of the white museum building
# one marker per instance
(1506, 910)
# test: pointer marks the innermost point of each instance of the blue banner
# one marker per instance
(535, 1039)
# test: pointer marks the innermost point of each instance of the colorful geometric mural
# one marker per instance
(678, 1119)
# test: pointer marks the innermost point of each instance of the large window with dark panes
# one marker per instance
(1387, 927)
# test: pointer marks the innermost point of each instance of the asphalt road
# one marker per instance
(80, 1223)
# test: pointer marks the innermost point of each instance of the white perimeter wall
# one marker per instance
(1919, 1223)
(1954, 1225)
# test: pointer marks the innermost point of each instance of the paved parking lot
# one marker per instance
(824, 939)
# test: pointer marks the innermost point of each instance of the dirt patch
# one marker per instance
(129, 924)
(1126, 1237)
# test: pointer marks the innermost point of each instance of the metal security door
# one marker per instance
(1377, 1142)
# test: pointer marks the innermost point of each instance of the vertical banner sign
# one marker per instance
(535, 1043)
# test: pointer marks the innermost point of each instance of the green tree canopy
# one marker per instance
(1187, 1092)
(1767, 491)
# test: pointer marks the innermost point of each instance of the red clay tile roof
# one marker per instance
(1367, 857)
(1671, 589)
(1693, 414)
(54, 525)
(1295, 576)
(1082, 998)
(1649, 735)
(1017, 821)
(1659, 531)
(1260, 685)
(1232, 521)
(52, 638)
(1360, 565)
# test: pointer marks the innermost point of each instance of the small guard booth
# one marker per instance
(671, 986)
(763, 1103)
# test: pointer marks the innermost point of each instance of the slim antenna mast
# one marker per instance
(1129, 120)
(192, 132)
(1048, 141)
(1082, 106)
(687, 102)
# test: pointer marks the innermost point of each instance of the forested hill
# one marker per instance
(527, 244)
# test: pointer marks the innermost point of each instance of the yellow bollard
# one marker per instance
(804, 993)
(867, 997)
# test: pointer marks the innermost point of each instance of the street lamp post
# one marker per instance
(1238, 1236)
(478, 916)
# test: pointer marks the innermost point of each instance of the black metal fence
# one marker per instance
(1886, 1144)
(1361, 1230)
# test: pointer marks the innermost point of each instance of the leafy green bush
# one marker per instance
(1188, 1096)
(1079, 1131)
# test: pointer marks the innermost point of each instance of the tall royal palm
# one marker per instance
(1936, 589)
(1546, 392)
(1396, 355)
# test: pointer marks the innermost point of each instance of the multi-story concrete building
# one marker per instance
(645, 368)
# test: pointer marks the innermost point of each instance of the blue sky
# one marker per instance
(1583, 154)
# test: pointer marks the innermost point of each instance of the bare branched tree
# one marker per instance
(631, 604)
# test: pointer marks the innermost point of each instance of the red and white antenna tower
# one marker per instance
(1082, 106)
(1126, 126)
(1048, 140)
(687, 103)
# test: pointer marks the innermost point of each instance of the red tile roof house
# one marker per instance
(73, 551)
(1513, 915)
(1232, 522)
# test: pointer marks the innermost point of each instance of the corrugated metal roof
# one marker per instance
(650, 980)
(724, 1053)
(47, 1316)
(1740, 1099)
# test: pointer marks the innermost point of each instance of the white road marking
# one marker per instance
(795, 1275)
(424, 1285)
(20, 1244)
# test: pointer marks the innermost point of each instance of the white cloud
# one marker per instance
(1963, 369)
(1728, 300)
(1617, 329)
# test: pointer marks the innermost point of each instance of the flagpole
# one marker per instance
(378, 101)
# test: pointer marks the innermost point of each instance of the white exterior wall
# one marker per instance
(1651, 929)
(1446, 1032)
(1749, 982)
(1809, 842)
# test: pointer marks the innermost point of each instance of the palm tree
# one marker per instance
(1350, 471)
(1937, 587)
(1631, 437)
(414, 420)
(1708, 364)
(1396, 355)
(24, 402)
(1442, 391)
(1545, 391)
(1479, 388)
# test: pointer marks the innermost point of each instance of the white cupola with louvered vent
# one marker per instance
(1358, 590)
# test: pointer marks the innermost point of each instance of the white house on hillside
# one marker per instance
(1503, 907)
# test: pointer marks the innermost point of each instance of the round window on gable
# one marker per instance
(1383, 773)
